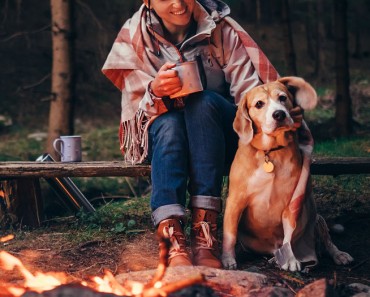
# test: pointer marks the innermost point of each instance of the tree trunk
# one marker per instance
(288, 39)
(343, 112)
(63, 85)
(258, 12)
(310, 30)
(359, 23)
(320, 69)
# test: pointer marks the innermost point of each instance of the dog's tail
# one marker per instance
(322, 232)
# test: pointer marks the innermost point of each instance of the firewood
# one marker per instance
(319, 288)
(179, 285)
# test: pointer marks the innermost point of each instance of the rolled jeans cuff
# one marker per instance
(206, 202)
(168, 211)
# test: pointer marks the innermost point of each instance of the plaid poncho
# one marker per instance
(131, 66)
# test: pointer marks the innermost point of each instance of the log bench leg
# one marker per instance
(21, 202)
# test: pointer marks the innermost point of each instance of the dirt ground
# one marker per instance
(50, 250)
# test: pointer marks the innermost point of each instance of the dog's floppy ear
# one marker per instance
(304, 94)
(243, 124)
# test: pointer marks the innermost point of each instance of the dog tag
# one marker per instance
(268, 166)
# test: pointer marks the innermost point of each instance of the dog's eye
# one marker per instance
(282, 98)
(260, 104)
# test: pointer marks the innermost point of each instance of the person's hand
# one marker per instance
(166, 82)
(297, 115)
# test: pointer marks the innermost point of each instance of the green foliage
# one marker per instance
(344, 147)
(19, 147)
(97, 144)
(118, 217)
(101, 144)
(319, 115)
(103, 187)
(342, 196)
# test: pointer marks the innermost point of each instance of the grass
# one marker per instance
(120, 218)
(115, 218)
(343, 147)
(21, 144)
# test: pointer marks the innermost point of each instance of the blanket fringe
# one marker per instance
(134, 138)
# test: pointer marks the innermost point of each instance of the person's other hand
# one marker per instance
(297, 115)
(166, 82)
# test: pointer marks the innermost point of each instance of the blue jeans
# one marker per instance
(189, 150)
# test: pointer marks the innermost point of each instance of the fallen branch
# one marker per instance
(176, 286)
(6, 238)
(289, 287)
(35, 84)
(89, 11)
(25, 33)
(358, 264)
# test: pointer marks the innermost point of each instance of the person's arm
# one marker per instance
(164, 84)
(151, 104)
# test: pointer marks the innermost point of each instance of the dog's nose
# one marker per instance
(279, 115)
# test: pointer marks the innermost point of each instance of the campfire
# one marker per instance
(39, 282)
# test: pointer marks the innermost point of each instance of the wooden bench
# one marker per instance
(21, 189)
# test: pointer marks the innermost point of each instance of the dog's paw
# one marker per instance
(342, 258)
(228, 261)
(292, 265)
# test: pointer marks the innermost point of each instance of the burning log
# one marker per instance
(80, 291)
(68, 291)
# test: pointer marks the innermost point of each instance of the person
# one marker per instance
(188, 140)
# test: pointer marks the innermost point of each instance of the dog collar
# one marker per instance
(274, 149)
(268, 166)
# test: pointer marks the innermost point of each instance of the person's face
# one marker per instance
(175, 14)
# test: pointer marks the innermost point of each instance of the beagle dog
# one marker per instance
(270, 207)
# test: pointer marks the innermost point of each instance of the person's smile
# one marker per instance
(179, 12)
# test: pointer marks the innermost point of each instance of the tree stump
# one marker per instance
(20, 202)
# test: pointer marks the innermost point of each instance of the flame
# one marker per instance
(158, 285)
(40, 282)
(6, 238)
(37, 282)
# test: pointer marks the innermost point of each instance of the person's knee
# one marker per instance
(206, 101)
(164, 121)
(167, 128)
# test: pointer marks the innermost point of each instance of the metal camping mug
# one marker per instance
(69, 148)
(189, 75)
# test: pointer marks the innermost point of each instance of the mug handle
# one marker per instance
(55, 145)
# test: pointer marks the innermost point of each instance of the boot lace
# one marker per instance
(176, 249)
(206, 241)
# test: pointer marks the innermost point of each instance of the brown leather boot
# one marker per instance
(172, 229)
(204, 241)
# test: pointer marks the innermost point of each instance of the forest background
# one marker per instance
(299, 39)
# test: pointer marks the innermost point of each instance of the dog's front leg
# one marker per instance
(232, 215)
(288, 261)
